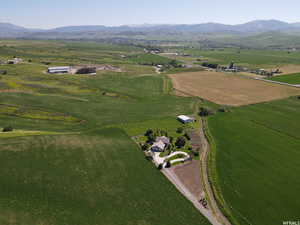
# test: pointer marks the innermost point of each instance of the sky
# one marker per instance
(56, 13)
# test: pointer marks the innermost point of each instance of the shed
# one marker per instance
(185, 119)
(61, 69)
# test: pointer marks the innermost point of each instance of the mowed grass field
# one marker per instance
(64, 163)
(289, 78)
(256, 167)
(228, 89)
(85, 179)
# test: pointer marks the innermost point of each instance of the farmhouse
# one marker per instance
(14, 61)
(61, 69)
(160, 144)
(185, 119)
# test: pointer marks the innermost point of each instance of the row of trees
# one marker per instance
(210, 65)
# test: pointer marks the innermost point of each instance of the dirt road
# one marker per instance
(179, 185)
(209, 192)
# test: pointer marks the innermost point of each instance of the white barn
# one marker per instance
(61, 69)
(185, 119)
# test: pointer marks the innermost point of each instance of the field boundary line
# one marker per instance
(217, 206)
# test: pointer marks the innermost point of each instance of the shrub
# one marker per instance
(8, 129)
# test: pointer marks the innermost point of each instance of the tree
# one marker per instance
(87, 70)
(187, 136)
(160, 166)
(168, 164)
(151, 138)
(205, 112)
(3, 72)
(145, 147)
(180, 142)
(8, 129)
(148, 132)
(179, 130)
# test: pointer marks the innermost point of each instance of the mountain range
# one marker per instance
(164, 31)
(250, 27)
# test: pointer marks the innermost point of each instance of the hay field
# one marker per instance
(255, 165)
(227, 89)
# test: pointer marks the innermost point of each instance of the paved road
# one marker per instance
(203, 158)
(277, 82)
(181, 187)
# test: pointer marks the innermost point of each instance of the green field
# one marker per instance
(256, 168)
(290, 78)
(86, 179)
(246, 57)
(70, 159)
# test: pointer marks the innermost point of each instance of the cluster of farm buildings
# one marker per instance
(232, 68)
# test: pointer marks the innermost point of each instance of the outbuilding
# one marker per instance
(185, 119)
(61, 69)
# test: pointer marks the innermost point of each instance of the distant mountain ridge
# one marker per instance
(250, 27)
(262, 33)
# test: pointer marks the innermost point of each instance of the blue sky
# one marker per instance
(54, 13)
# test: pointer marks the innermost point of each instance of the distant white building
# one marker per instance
(15, 61)
(60, 69)
(185, 119)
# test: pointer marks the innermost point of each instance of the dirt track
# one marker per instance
(228, 89)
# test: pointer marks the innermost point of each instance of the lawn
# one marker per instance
(289, 78)
(257, 161)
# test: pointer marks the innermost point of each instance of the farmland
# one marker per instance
(257, 161)
(227, 89)
(86, 179)
(69, 160)
(249, 57)
(289, 78)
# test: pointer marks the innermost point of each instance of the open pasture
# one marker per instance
(228, 89)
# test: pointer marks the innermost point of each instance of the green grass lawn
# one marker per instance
(290, 78)
(86, 179)
(257, 161)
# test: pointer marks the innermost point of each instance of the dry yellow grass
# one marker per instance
(227, 89)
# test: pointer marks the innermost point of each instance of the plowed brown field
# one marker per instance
(228, 89)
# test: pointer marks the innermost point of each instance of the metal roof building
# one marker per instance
(185, 119)
(61, 69)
